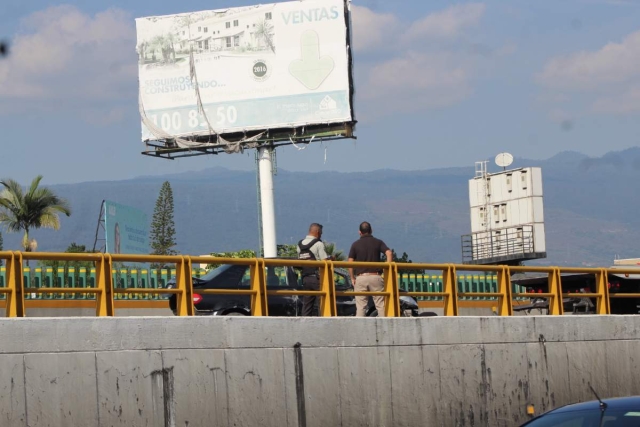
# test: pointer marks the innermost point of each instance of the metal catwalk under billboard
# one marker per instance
(245, 68)
(126, 228)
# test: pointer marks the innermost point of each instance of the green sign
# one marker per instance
(127, 229)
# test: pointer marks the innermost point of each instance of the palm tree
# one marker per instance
(157, 44)
(39, 207)
(170, 42)
(330, 249)
(142, 52)
(264, 30)
(165, 44)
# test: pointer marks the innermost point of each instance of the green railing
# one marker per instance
(48, 277)
(466, 283)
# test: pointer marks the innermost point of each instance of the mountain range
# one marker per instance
(591, 208)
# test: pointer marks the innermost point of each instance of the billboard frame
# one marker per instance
(240, 141)
(171, 147)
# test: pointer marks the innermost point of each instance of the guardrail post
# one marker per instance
(71, 281)
(505, 303)
(82, 281)
(450, 287)
(59, 282)
(603, 305)
(48, 282)
(15, 284)
(259, 285)
(188, 278)
(104, 279)
(184, 283)
(27, 278)
(328, 300)
(556, 307)
(392, 303)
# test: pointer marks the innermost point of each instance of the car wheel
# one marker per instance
(427, 314)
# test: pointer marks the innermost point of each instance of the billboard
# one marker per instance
(126, 228)
(254, 68)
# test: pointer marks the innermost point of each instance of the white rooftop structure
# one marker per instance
(507, 215)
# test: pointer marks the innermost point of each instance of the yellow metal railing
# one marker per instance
(503, 299)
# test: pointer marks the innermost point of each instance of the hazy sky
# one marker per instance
(438, 84)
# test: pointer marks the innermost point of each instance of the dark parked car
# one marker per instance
(577, 283)
(618, 412)
(229, 276)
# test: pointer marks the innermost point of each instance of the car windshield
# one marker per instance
(215, 272)
(240, 275)
(276, 276)
(589, 418)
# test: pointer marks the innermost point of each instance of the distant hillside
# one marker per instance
(591, 208)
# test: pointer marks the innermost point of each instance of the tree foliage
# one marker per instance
(287, 251)
(291, 251)
(243, 253)
(163, 229)
(73, 248)
(337, 254)
(38, 207)
(284, 251)
(405, 259)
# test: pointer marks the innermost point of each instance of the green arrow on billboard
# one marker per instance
(311, 69)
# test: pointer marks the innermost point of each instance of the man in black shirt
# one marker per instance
(368, 249)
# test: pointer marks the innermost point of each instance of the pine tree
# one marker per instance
(163, 228)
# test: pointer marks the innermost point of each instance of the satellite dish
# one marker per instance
(504, 159)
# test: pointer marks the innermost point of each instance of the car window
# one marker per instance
(590, 418)
(215, 272)
(245, 282)
(276, 277)
(560, 420)
(341, 280)
(226, 276)
(293, 278)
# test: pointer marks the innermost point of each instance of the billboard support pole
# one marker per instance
(98, 227)
(265, 171)
(259, 205)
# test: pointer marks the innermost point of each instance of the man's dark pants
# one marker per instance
(310, 283)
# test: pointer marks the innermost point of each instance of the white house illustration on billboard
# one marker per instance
(246, 30)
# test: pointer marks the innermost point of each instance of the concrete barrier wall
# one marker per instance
(234, 371)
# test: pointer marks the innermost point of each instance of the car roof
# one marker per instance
(623, 403)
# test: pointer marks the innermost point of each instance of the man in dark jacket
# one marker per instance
(311, 248)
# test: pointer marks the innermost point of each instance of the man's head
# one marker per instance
(365, 228)
(315, 230)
